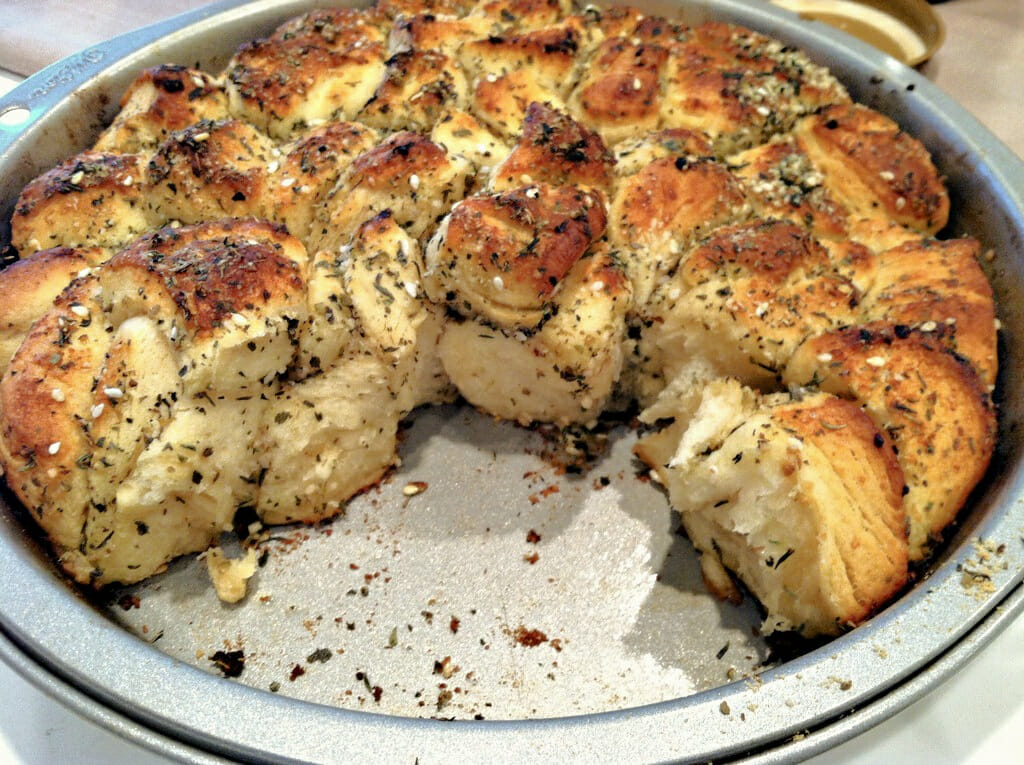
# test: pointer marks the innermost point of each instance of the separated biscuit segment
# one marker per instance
(419, 87)
(463, 135)
(930, 402)
(510, 71)
(563, 371)
(45, 394)
(847, 172)
(503, 257)
(620, 93)
(522, 14)
(800, 499)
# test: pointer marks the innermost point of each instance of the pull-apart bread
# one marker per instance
(233, 297)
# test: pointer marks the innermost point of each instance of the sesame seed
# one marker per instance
(57, 395)
(200, 137)
(885, 175)
(950, 321)
(875, 361)
(84, 273)
(414, 181)
(525, 178)
(498, 283)
(824, 358)
(239, 320)
(533, 193)
(77, 177)
(795, 443)
(198, 81)
(114, 393)
(492, 78)
(901, 202)
(53, 448)
(637, 84)
(96, 411)
(674, 293)
(410, 287)
(287, 182)
(597, 286)
(764, 111)
(414, 488)
(79, 310)
(998, 325)
(128, 181)
(928, 326)
(272, 167)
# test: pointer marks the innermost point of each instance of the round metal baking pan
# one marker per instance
(87, 658)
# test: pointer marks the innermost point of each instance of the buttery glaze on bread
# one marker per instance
(234, 297)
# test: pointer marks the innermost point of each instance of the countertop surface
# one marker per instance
(976, 716)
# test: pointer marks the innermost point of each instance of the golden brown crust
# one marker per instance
(210, 272)
(504, 257)
(666, 207)
(927, 283)
(523, 14)
(410, 175)
(619, 94)
(161, 100)
(337, 29)
(30, 285)
(745, 299)
(740, 86)
(874, 168)
(931, 402)
(418, 88)
(781, 181)
(308, 169)
(93, 199)
(210, 170)
(281, 85)
(554, 149)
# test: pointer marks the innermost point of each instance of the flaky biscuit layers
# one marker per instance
(233, 298)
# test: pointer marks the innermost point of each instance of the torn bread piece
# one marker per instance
(800, 499)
